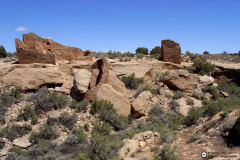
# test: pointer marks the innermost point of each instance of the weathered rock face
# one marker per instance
(139, 143)
(81, 80)
(144, 102)
(35, 49)
(117, 84)
(166, 91)
(33, 78)
(206, 80)
(120, 102)
(181, 80)
(171, 51)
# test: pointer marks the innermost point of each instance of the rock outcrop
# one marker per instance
(120, 102)
(35, 49)
(144, 102)
(81, 80)
(234, 134)
(171, 51)
(181, 80)
(33, 78)
(206, 80)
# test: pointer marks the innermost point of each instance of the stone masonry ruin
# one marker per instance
(171, 51)
(35, 49)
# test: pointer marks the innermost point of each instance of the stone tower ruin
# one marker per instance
(170, 51)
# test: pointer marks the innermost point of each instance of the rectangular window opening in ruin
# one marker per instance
(48, 49)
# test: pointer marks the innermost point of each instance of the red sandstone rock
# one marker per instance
(35, 49)
(171, 51)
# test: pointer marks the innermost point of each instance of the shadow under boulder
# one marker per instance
(233, 138)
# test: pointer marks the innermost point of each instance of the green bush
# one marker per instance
(202, 67)
(26, 113)
(2, 119)
(189, 101)
(2, 143)
(107, 113)
(131, 82)
(166, 153)
(152, 90)
(79, 106)
(142, 50)
(156, 111)
(195, 95)
(68, 120)
(15, 131)
(101, 128)
(45, 132)
(173, 104)
(163, 75)
(231, 88)
(193, 115)
(45, 101)
(178, 95)
(212, 90)
(41, 149)
(139, 55)
(194, 137)
(79, 132)
(86, 127)
(128, 54)
(15, 152)
(156, 51)
(3, 52)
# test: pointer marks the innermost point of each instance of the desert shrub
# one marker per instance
(194, 137)
(2, 143)
(231, 88)
(178, 95)
(156, 51)
(212, 90)
(173, 104)
(16, 153)
(3, 52)
(195, 95)
(101, 128)
(15, 131)
(131, 82)
(139, 55)
(205, 102)
(113, 55)
(202, 66)
(189, 101)
(45, 132)
(68, 120)
(173, 119)
(152, 90)
(72, 140)
(166, 153)
(26, 113)
(45, 101)
(142, 50)
(79, 132)
(2, 119)
(156, 111)
(107, 113)
(163, 75)
(41, 149)
(79, 106)
(193, 115)
(86, 127)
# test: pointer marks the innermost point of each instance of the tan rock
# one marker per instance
(22, 142)
(143, 102)
(206, 80)
(225, 94)
(166, 91)
(181, 80)
(117, 84)
(33, 78)
(131, 146)
(120, 102)
(81, 80)
(142, 144)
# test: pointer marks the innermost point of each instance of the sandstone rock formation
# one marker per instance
(139, 143)
(120, 102)
(144, 102)
(171, 51)
(81, 80)
(35, 49)
(181, 80)
(206, 80)
(33, 78)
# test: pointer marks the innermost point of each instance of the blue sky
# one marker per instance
(124, 25)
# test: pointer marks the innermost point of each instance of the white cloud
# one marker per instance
(106, 50)
(123, 52)
(21, 29)
(130, 46)
(140, 42)
(49, 37)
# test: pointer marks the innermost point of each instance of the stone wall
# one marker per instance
(33, 44)
(171, 51)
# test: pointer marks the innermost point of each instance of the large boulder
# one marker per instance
(117, 84)
(144, 102)
(120, 102)
(181, 80)
(33, 78)
(206, 80)
(81, 80)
